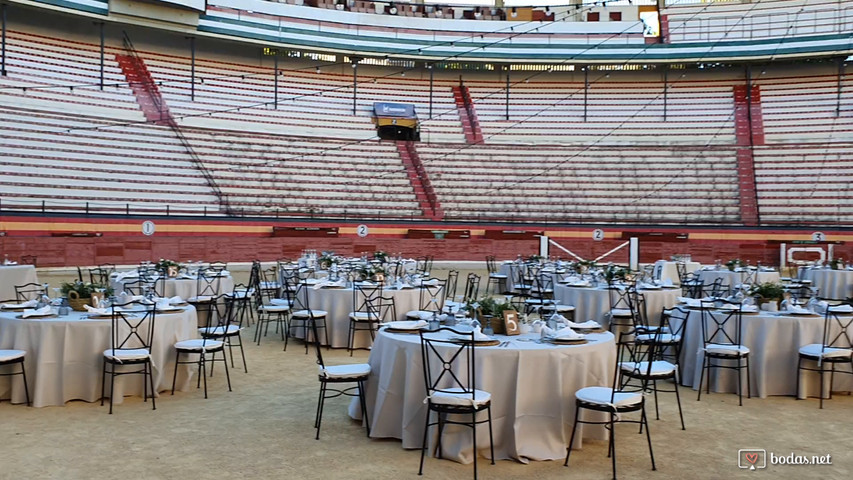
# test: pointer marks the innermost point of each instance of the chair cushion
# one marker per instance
(601, 396)
(564, 308)
(620, 312)
(457, 396)
(200, 298)
(274, 308)
(219, 331)
(497, 275)
(814, 350)
(198, 345)
(136, 354)
(9, 355)
(723, 349)
(279, 302)
(355, 370)
(307, 314)
(660, 368)
(363, 316)
(663, 338)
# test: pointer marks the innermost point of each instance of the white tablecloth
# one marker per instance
(593, 303)
(532, 386)
(337, 302)
(669, 270)
(65, 356)
(731, 278)
(11, 275)
(182, 287)
(774, 340)
(837, 284)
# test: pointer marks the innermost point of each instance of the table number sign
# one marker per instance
(511, 326)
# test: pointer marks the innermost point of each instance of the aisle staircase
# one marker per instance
(467, 114)
(424, 192)
(749, 131)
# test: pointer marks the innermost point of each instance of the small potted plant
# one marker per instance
(733, 264)
(613, 273)
(489, 308)
(768, 292)
(535, 259)
(326, 260)
(380, 256)
(80, 294)
(171, 267)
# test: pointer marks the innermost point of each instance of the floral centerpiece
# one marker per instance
(491, 307)
(612, 273)
(767, 292)
(370, 271)
(734, 263)
(584, 266)
(80, 294)
(836, 263)
(535, 259)
(326, 259)
(170, 267)
(380, 256)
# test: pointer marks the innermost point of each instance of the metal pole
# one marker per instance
(429, 66)
(840, 80)
(3, 53)
(354, 84)
(507, 92)
(665, 89)
(102, 54)
(585, 89)
(749, 101)
(275, 82)
(192, 69)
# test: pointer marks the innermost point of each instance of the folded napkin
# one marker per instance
(36, 312)
(690, 302)
(567, 334)
(798, 309)
(571, 278)
(649, 286)
(582, 283)
(7, 262)
(97, 311)
(479, 336)
(163, 303)
(319, 285)
(27, 304)
(586, 324)
(749, 309)
(667, 282)
(841, 308)
(406, 324)
(123, 275)
(176, 299)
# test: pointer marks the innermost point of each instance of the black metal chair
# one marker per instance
(204, 301)
(29, 291)
(621, 310)
(271, 309)
(616, 402)
(836, 348)
(450, 377)
(131, 339)
(495, 278)
(101, 274)
(15, 357)
(29, 260)
(230, 324)
(721, 340)
(367, 313)
(208, 344)
(431, 300)
(338, 374)
(301, 312)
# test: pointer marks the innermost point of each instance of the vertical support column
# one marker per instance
(354, 83)
(101, 25)
(507, 91)
(634, 254)
(783, 259)
(544, 244)
(3, 40)
(192, 68)
(840, 80)
(275, 81)
(429, 66)
(665, 89)
(585, 89)
(749, 102)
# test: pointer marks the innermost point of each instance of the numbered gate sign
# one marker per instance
(362, 230)
(598, 234)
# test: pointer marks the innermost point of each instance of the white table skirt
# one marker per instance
(533, 395)
(669, 270)
(593, 303)
(731, 278)
(11, 275)
(182, 287)
(774, 341)
(65, 356)
(837, 284)
(337, 302)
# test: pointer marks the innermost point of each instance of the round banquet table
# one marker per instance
(592, 303)
(11, 275)
(532, 385)
(837, 284)
(181, 287)
(668, 270)
(337, 302)
(65, 355)
(774, 339)
(731, 278)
